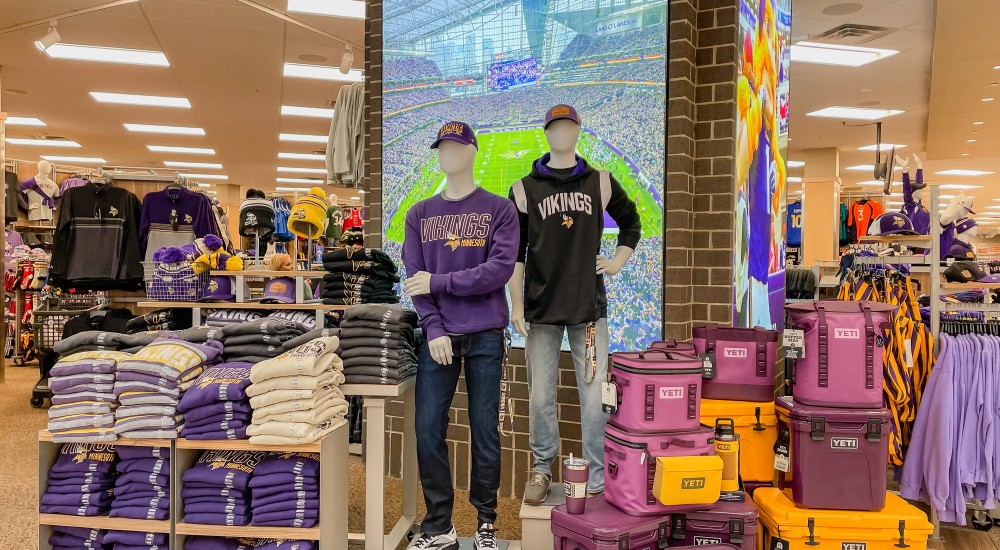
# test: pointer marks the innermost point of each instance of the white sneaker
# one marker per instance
(486, 537)
(445, 541)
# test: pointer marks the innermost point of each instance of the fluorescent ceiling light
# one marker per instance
(206, 177)
(302, 170)
(794, 179)
(80, 52)
(994, 206)
(299, 180)
(188, 150)
(959, 186)
(830, 54)
(158, 129)
(861, 167)
(321, 72)
(355, 198)
(304, 138)
(871, 183)
(80, 160)
(885, 147)
(314, 112)
(293, 189)
(301, 156)
(352, 9)
(204, 185)
(203, 165)
(964, 173)
(43, 142)
(23, 121)
(854, 113)
(970, 141)
(988, 99)
(978, 123)
(361, 191)
(144, 100)
(795, 163)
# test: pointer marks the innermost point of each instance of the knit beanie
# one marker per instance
(308, 217)
(256, 215)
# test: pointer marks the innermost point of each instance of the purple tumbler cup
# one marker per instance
(576, 474)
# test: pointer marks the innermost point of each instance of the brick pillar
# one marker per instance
(372, 183)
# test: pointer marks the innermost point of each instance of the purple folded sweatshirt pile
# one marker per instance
(359, 276)
(217, 405)
(218, 543)
(142, 489)
(75, 538)
(379, 343)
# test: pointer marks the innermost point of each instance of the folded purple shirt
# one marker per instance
(289, 481)
(65, 384)
(216, 519)
(230, 434)
(285, 497)
(281, 519)
(306, 464)
(96, 535)
(187, 491)
(149, 465)
(78, 488)
(136, 538)
(218, 543)
(73, 510)
(64, 539)
(219, 410)
(80, 458)
(225, 382)
(285, 491)
(144, 477)
(238, 499)
(297, 506)
(216, 508)
(145, 502)
(287, 545)
(102, 499)
(129, 452)
(138, 512)
(137, 490)
(76, 397)
(83, 366)
(224, 468)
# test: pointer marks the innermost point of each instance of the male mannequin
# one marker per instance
(41, 192)
(959, 207)
(459, 251)
(913, 192)
(561, 207)
(334, 221)
(966, 229)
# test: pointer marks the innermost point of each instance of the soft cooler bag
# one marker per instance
(744, 361)
(604, 527)
(898, 525)
(757, 425)
(837, 457)
(842, 366)
(658, 391)
(687, 480)
(732, 523)
(630, 466)
(673, 345)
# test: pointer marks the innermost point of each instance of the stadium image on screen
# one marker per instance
(499, 65)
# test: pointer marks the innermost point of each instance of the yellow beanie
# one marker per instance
(308, 216)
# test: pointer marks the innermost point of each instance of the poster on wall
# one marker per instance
(499, 66)
(761, 146)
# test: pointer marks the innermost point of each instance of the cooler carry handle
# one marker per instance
(711, 334)
(812, 535)
(663, 534)
(823, 344)
(902, 535)
(650, 401)
(761, 352)
(736, 531)
(619, 454)
(678, 442)
(650, 473)
(874, 431)
(623, 541)
(758, 427)
(692, 401)
(869, 347)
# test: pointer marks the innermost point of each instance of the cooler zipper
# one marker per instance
(633, 370)
(629, 444)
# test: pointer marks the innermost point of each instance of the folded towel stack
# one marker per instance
(142, 490)
(216, 490)
(215, 543)
(217, 405)
(256, 341)
(150, 384)
(379, 343)
(359, 276)
(82, 480)
(83, 398)
(285, 490)
(296, 397)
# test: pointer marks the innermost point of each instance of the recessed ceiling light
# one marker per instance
(158, 129)
(978, 123)
(301, 156)
(302, 170)
(211, 192)
(988, 99)
(314, 112)
(830, 54)
(796, 163)
(303, 138)
(204, 165)
(79, 160)
(80, 52)
(204, 185)
(854, 113)
(965, 154)
(23, 121)
(994, 206)
(321, 72)
(959, 186)
(300, 180)
(996, 67)
(144, 100)
(970, 141)
(293, 189)
(206, 177)
(885, 147)
(994, 84)
(352, 9)
(188, 150)
(43, 142)
(794, 179)
(964, 173)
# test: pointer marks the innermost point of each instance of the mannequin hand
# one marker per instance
(920, 165)
(965, 202)
(517, 318)
(903, 163)
(608, 267)
(419, 283)
(440, 349)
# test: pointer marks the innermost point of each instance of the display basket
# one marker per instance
(174, 282)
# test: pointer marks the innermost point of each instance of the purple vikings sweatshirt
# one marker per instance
(470, 247)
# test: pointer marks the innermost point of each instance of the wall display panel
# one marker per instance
(499, 65)
(761, 146)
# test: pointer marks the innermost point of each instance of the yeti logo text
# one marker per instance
(738, 353)
(847, 334)
(702, 541)
(693, 483)
(854, 546)
(844, 443)
(671, 393)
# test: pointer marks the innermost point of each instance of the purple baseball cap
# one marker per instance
(964, 224)
(892, 223)
(560, 112)
(279, 290)
(220, 289)
(459, 132)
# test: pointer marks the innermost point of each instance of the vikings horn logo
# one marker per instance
(567, 221)
(113, 210)
(898, 222)
(218, 463)
(80, 457)
(453, 242)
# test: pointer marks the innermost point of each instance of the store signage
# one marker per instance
(621, 24)
(693, 483)
(671, 393)
(850, 443)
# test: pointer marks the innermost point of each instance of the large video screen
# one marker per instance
(500, 66)
(761, 144)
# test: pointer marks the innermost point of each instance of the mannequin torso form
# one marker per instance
(40, 197)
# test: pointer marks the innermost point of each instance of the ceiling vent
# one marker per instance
(852, 34)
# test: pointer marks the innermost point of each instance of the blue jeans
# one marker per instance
(482, 355)
(542, 351)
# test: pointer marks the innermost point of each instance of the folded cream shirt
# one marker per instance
(273, 433)
(278, 396)
(330, 377)
(294, 365)
(299, 404)
(330, 407)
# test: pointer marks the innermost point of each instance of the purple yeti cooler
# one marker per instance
(837, 456)
(604, 527)
(843, 347)
(711, 547)
(744, 361)
(630, 466)
(732, 523)
(673, 345)
(658, 391)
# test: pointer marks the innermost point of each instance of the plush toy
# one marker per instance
(215, 257)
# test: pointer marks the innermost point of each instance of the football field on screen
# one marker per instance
(505, 156)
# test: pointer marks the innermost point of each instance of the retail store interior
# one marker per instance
(303, 133)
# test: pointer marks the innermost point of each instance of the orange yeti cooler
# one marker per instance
(757, 424)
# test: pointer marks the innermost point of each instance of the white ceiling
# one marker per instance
(225, 57)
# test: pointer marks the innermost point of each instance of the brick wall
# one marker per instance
(373, 125)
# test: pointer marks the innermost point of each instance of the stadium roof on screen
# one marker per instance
(405, 22)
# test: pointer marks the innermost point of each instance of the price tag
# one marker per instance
(794, 342)
(708, 365)
(781, 456)
(779, 544)
(609, 397)
(908, 346)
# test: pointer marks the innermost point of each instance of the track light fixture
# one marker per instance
(347, 60)
(50, 39)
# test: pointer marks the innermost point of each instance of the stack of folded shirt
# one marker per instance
(216, 489)
(142, 490)
(256, 341)
(150, 384)
(226, 317)
(359, 276)
(74, 538)
(310, 336)
(379, 343)
(91, 340)
(305, 318)
(215, 543)
(82, 481)
(285, 490)
(217, 405)
(164, 319)
(200, 335)
(137, 540)
(296, 397)
(83, 398)
(132, 343)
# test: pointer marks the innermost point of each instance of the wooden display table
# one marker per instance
(243, 275)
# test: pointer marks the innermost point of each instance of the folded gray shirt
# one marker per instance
(104, 341)
(310, 336)
(200, 335)
(267, 339)
(265, 326)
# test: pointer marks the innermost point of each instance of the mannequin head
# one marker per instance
(332, 197)
(456, 158)
(917, 195)
(45, 169)
(562, 135)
